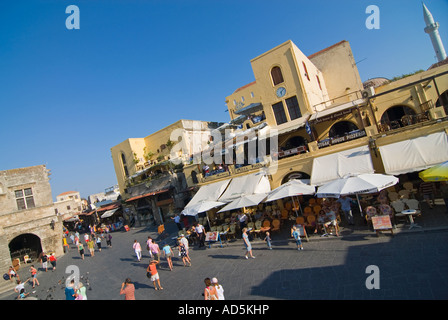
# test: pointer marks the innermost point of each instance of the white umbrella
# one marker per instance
(201, 207)
(245, 201)
(290, 189)
(356, 184)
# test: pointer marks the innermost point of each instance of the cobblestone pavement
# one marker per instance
(412, 266)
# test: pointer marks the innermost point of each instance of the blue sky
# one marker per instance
(135, 66)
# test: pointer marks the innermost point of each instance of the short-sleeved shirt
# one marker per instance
(152, 269)
(345, 204)
(69, 292)
(128, 292)
(167, 249)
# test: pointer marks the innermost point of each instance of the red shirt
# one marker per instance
(152, 269)
(128, 292)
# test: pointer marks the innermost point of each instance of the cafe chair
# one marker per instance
(413, 204)
(213, 229)
(285, 215)
(316, 209)
(219, 228)
(399, 206)
(370, 212)
(257, 228)
(307, 211)
(232, 231)
(311, 223)
(300, 220)
(392, 196)
(312, 202)
(404, 194)
(275, 225)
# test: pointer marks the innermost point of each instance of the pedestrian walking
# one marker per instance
(177, 221)
(72, 237)
(98, 242)
(109, 240)
(200, 232)
(209, 291)
(296, 235)
(65, 243)
(346, 208)
(219, 289)
(247, 244)
(128, 289)
(44, 260)
(81, 250)
(137, 249)
(152, 272)
(183, 254)
(268, 240)
(33, 272)
(19, 286)
(148, 244)
(155, 250)
(91, 247)
(86, 237)
(168, 255)
(186, 245)
(53, 260)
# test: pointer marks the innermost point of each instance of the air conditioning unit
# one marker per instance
(368, 92)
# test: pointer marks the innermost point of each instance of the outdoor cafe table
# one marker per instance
(409, 213)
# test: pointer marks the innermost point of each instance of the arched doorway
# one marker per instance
(393, 116)
(342, 128)
(25, 244)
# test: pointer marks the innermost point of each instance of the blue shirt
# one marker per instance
(345, 204)
(69, 292)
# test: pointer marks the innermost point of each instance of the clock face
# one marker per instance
(281, 92)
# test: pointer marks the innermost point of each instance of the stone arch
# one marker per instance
(341, 128)
(295, 175)
(25, 244)
(393, 115)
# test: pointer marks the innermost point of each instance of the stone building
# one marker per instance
(28, 222)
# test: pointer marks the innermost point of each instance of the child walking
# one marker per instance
(296, 235)
(268, 240)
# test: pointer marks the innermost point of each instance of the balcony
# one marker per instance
(356, 134)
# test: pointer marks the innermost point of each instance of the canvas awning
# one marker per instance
(147, 195)
(291, 125)
(415, 154)
(209, 192)
(338, 165)
(335, 112)
(108, 213)
(246, 185)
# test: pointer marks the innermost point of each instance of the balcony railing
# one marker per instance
(350, 136)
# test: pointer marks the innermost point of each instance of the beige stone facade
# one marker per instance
(28, 223)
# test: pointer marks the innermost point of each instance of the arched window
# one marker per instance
(276, 74)
(341, 128)
(394, 115)
(443, 101)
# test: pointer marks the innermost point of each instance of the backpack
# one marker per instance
(6, 276)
